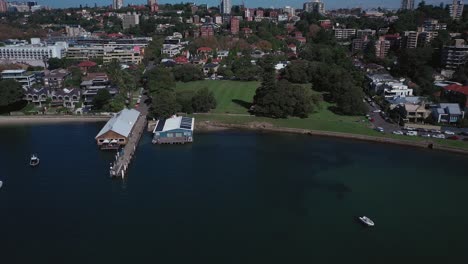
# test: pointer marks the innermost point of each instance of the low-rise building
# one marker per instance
(176, 129)
(36, 96)
(434, 25)
(447, 113)
(55, 79)
(25, 78)
(65, 97)
(456, 93)
(117, 130)
(171, 50)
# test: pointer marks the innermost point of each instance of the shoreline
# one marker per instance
(18, 120)
(210, 126)
(265, 127)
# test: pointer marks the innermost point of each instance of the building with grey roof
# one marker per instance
(447, 113)
(177, 129)
(117, 130)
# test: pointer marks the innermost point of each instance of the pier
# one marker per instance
(123, 158)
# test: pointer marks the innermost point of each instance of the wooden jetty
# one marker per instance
(123, 159)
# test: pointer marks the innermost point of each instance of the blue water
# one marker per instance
(230, 197)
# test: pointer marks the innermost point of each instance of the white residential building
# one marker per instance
(34, 52)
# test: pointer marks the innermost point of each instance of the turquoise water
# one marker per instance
(231, 197)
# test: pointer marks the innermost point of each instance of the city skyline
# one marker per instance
(330, 4)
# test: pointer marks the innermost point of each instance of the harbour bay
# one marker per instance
(230, 197)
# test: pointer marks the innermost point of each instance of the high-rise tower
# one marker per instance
(407, 4)
(226, 6)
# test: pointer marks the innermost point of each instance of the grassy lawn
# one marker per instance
(232, 96)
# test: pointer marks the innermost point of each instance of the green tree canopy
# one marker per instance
(11, 92)
(102, 99)
(203, 101)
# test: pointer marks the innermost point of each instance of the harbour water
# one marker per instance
(230, 197)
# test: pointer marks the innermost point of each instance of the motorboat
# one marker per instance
(366, 220)
(1, 184)
(34, 161)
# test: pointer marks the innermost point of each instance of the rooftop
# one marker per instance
(121, 123)
(178, 122)
(13, 71)
(457, 88)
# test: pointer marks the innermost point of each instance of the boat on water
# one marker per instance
(34, 161)
(1, 184)
(366, 220)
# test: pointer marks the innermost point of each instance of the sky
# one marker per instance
(329, 4)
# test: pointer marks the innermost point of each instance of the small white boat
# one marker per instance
(1, 184)
(366, 220)
(34, 161)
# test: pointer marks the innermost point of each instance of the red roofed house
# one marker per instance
(85, 65)
(181, 60)
(204, 50)
(456, 93)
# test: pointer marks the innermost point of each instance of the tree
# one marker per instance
(262, 97)
(184, 99)
(297, 72)
(101, 99)
(203, 101)
(164, 103)
(350, 102)
(187, 73)
(11, 93)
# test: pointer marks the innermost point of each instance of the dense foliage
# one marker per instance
(166, 101)
(282, 99)
(11, 93)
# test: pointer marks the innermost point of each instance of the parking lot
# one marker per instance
(387, 126)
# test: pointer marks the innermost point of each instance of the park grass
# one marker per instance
(232, 97)
(323, 119)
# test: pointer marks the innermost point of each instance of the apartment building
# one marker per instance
(344, 33)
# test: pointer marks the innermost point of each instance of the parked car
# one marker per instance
(448, 132)
(426, 135)
(440, 136)
(397, 132)
(454, 138)
(380, 129)
(412, 133)
(463, 133)
(377, 111)
(435, 131)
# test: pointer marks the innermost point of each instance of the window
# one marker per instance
(178, 134)
(101, 140)
(170, 134)
(121, 140)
